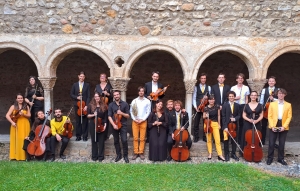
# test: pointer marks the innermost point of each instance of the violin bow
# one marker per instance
(96, 121)
(193, 117)
(256, 130)
(235, 142)
(33, 94)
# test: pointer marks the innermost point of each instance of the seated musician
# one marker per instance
(39, 120)
(230, 114)
(180, 120)
(57, 130)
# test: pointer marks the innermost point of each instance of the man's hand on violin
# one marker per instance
(232, 119)
(115, 127)
(271, 97)
(182, 128)
(149, 97)
(205, 97)
(197, 110)
(165, 89)
(173, 136)
(119, 112)
(85, 108)
(79, 97)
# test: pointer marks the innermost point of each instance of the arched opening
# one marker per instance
(67, 71)
(170, 73)
(16, 67)
(286, 70)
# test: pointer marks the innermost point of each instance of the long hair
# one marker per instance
(37, 83)
(154, 109)
(93, 104)
(16, 104)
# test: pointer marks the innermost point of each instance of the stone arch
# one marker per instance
(4, 46)
(140, 52)
(269, 60)
(251, 62)
(60, 53)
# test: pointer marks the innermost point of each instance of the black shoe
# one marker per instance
(269, 161)
(282, 162)
(235, 157)
(78, 138)
(126, 159)
(119, 157)
(52, 158)
(196, 140)
(219, 158)
(169, 158)
(227, 157)
(45, 157)
(276, 146)
(100, 160)
(62, 156)
(85, 139)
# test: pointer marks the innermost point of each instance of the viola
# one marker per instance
(37, 146)
(207, 125)
(104, 98)
(15, 115)
(232, 128)
(253, 150)
(118, 118)
(154, 95)
(203, 103)
(98, 125)
(68, 127)
(81, 104)
(180, 151)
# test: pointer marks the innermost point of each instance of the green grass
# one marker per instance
(96, 176)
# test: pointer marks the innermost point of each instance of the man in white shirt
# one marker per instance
(139, 111)
(241, 98)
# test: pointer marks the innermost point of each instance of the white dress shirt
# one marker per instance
(242, 92)
(154, 86)
(280, 109)
(143, 108)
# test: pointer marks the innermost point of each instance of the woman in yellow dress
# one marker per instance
(19, 129)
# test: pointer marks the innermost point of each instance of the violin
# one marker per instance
(154, 95)
(104, 97)
(253, 150)
(118, 118)
(232, 128)
(37, 146)
(16, 114)
(266, 107)
(98, 125)
(207, 125)
(81, 105)
(203, 103)
(67, 132)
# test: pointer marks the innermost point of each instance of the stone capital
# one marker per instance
(47, 83)
(119, 83)
(257, 84)
(189, 86)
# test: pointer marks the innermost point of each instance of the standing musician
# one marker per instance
(97, 108)
(212, 112)
(39, 120)
(176, 120)
(104, 89)
(139, 111)
(34, 96)
(119, 108)
(220, 91)
(18, 115)
(201, 92)
(80, 92)
(267, 95)
(279, 117)
(57, 129)
(230, 114)
(152, 87)
(241, 91)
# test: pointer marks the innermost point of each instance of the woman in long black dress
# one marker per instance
(158, 124)
(34, 96)
(97, 107)
(253, 107)
(105, 91)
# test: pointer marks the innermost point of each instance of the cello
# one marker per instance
(154, 95)
(37, 146)
(253, 151)
(67, 127)
(180, 151)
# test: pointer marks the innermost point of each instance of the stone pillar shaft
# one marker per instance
(189, 87)
(48, 84)
(257, 84)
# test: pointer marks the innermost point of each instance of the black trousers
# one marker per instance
(81, 128)
(171, 142)
(197, 128)
(226, 146)
(123, 133)
(264, 123)
(98, 143)
(241, 124)
(272, 139)
(64, 144)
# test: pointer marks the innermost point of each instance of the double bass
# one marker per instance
(180, 151)
(67, 127)
(37, 146)
(154, 95)
(253, 150)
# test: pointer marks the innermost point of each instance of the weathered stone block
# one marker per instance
(188, 6)
(144, 30)
(111, 13)
(67, 29)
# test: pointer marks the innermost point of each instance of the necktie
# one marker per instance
(231, 105)
(178, 121)
(271, 91)
(221, 85)
(80, 88)
(202, 89)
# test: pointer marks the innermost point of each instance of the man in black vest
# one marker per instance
(201, 91)
(267, 95)
(81, 91)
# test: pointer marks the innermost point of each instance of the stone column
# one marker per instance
(48, 84)
(257, 84)
(189, 87)
(119, 84)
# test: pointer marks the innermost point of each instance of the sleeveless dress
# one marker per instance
(17, 135)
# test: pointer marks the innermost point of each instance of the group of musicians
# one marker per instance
(220, 106)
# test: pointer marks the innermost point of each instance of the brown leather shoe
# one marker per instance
(135, 156)
(142, 156)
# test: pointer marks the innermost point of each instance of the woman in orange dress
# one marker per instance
(19, 129)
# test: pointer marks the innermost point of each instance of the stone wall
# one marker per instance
(200, 18)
